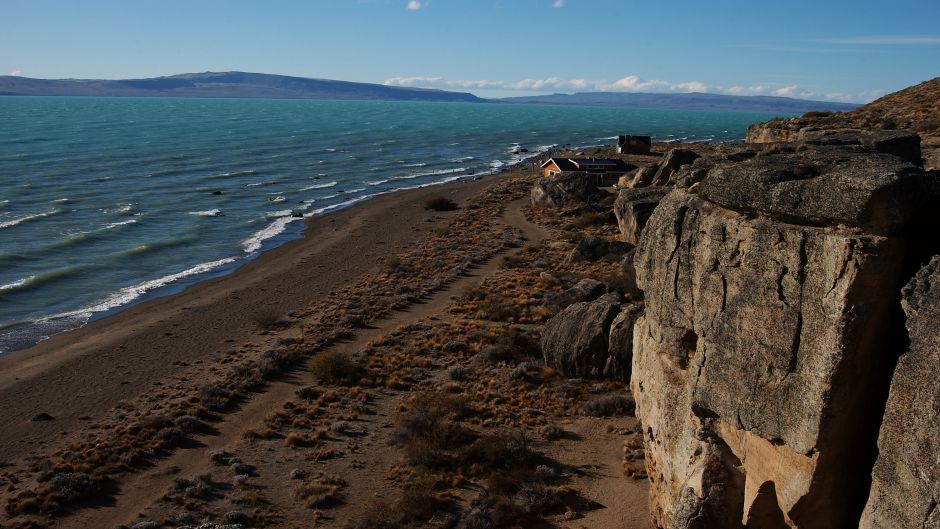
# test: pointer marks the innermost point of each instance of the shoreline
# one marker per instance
(129, 351)
(81, 317)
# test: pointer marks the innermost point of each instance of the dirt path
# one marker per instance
(620, 502)
(140, 490)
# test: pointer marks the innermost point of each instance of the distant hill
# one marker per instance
(692, 101)
(226, 84)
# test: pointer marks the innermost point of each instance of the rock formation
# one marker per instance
(564, 190)
(771, 285)
(575, 341)
(906, 478)
(633, 208)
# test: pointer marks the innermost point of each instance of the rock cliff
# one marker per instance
(906, 478)
(769, 334)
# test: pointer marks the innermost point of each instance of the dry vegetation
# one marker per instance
(471, 407)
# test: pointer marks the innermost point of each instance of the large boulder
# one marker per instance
(877, 193)
(587, 289)
(906, 477)
(761, 352)
(900, 143)
(575, 341)
(671, 163)
(633, 208)
(566, 189)
(620, 343)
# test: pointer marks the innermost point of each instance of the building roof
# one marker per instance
(582, 164)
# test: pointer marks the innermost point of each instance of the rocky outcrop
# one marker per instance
(906, 477)
(633, 208)
(903, 144)
(671, 163)
(770, 290)
(587, 289)
(567, 189)
(575, 341)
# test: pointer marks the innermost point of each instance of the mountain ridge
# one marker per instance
(236, 84)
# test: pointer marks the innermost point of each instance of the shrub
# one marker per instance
(73, 486)
(609, 406)
(513, 261)
(268, 319)
(214, 397)
(440, 204)
(324, 493)
(333, 367)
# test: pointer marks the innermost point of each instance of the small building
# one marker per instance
(603, 170)
(634, 144)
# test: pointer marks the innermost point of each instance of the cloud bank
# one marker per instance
(630, 83)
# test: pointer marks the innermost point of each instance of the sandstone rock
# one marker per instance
(620, 343)
(903, 144)
(633, 208)
(906, 477)
(877, 193)
(784, 130)
(643, 176)
(757, 335)
(592, 248)
(671, 163)
(574, 342)
(564, 190)
(585, 290)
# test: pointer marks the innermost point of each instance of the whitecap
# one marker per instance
(119, 224)
(128, 294)
(17, 284)
(278, 199)
(318, 186)
(26, 218)
(207, 213)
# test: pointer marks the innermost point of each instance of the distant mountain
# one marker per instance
(693, 101)
(226, 84)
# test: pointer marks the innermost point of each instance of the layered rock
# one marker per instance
(906, 477)
(575, 341)
(769, 287)
(564, 190)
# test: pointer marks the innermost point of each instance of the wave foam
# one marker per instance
(318, 186)
(207, 213)
(27, 218)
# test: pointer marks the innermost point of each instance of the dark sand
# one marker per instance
(78, 375)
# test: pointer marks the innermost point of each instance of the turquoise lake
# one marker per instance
(105, 202)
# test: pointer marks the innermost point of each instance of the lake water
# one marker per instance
(105, 202)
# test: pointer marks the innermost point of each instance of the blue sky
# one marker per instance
(821, 49)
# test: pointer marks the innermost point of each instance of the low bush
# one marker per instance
(609, 406)
(333, 367)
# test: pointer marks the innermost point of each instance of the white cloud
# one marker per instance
(558, 4)
(415, 5)
(890, 40)
(15, 73)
